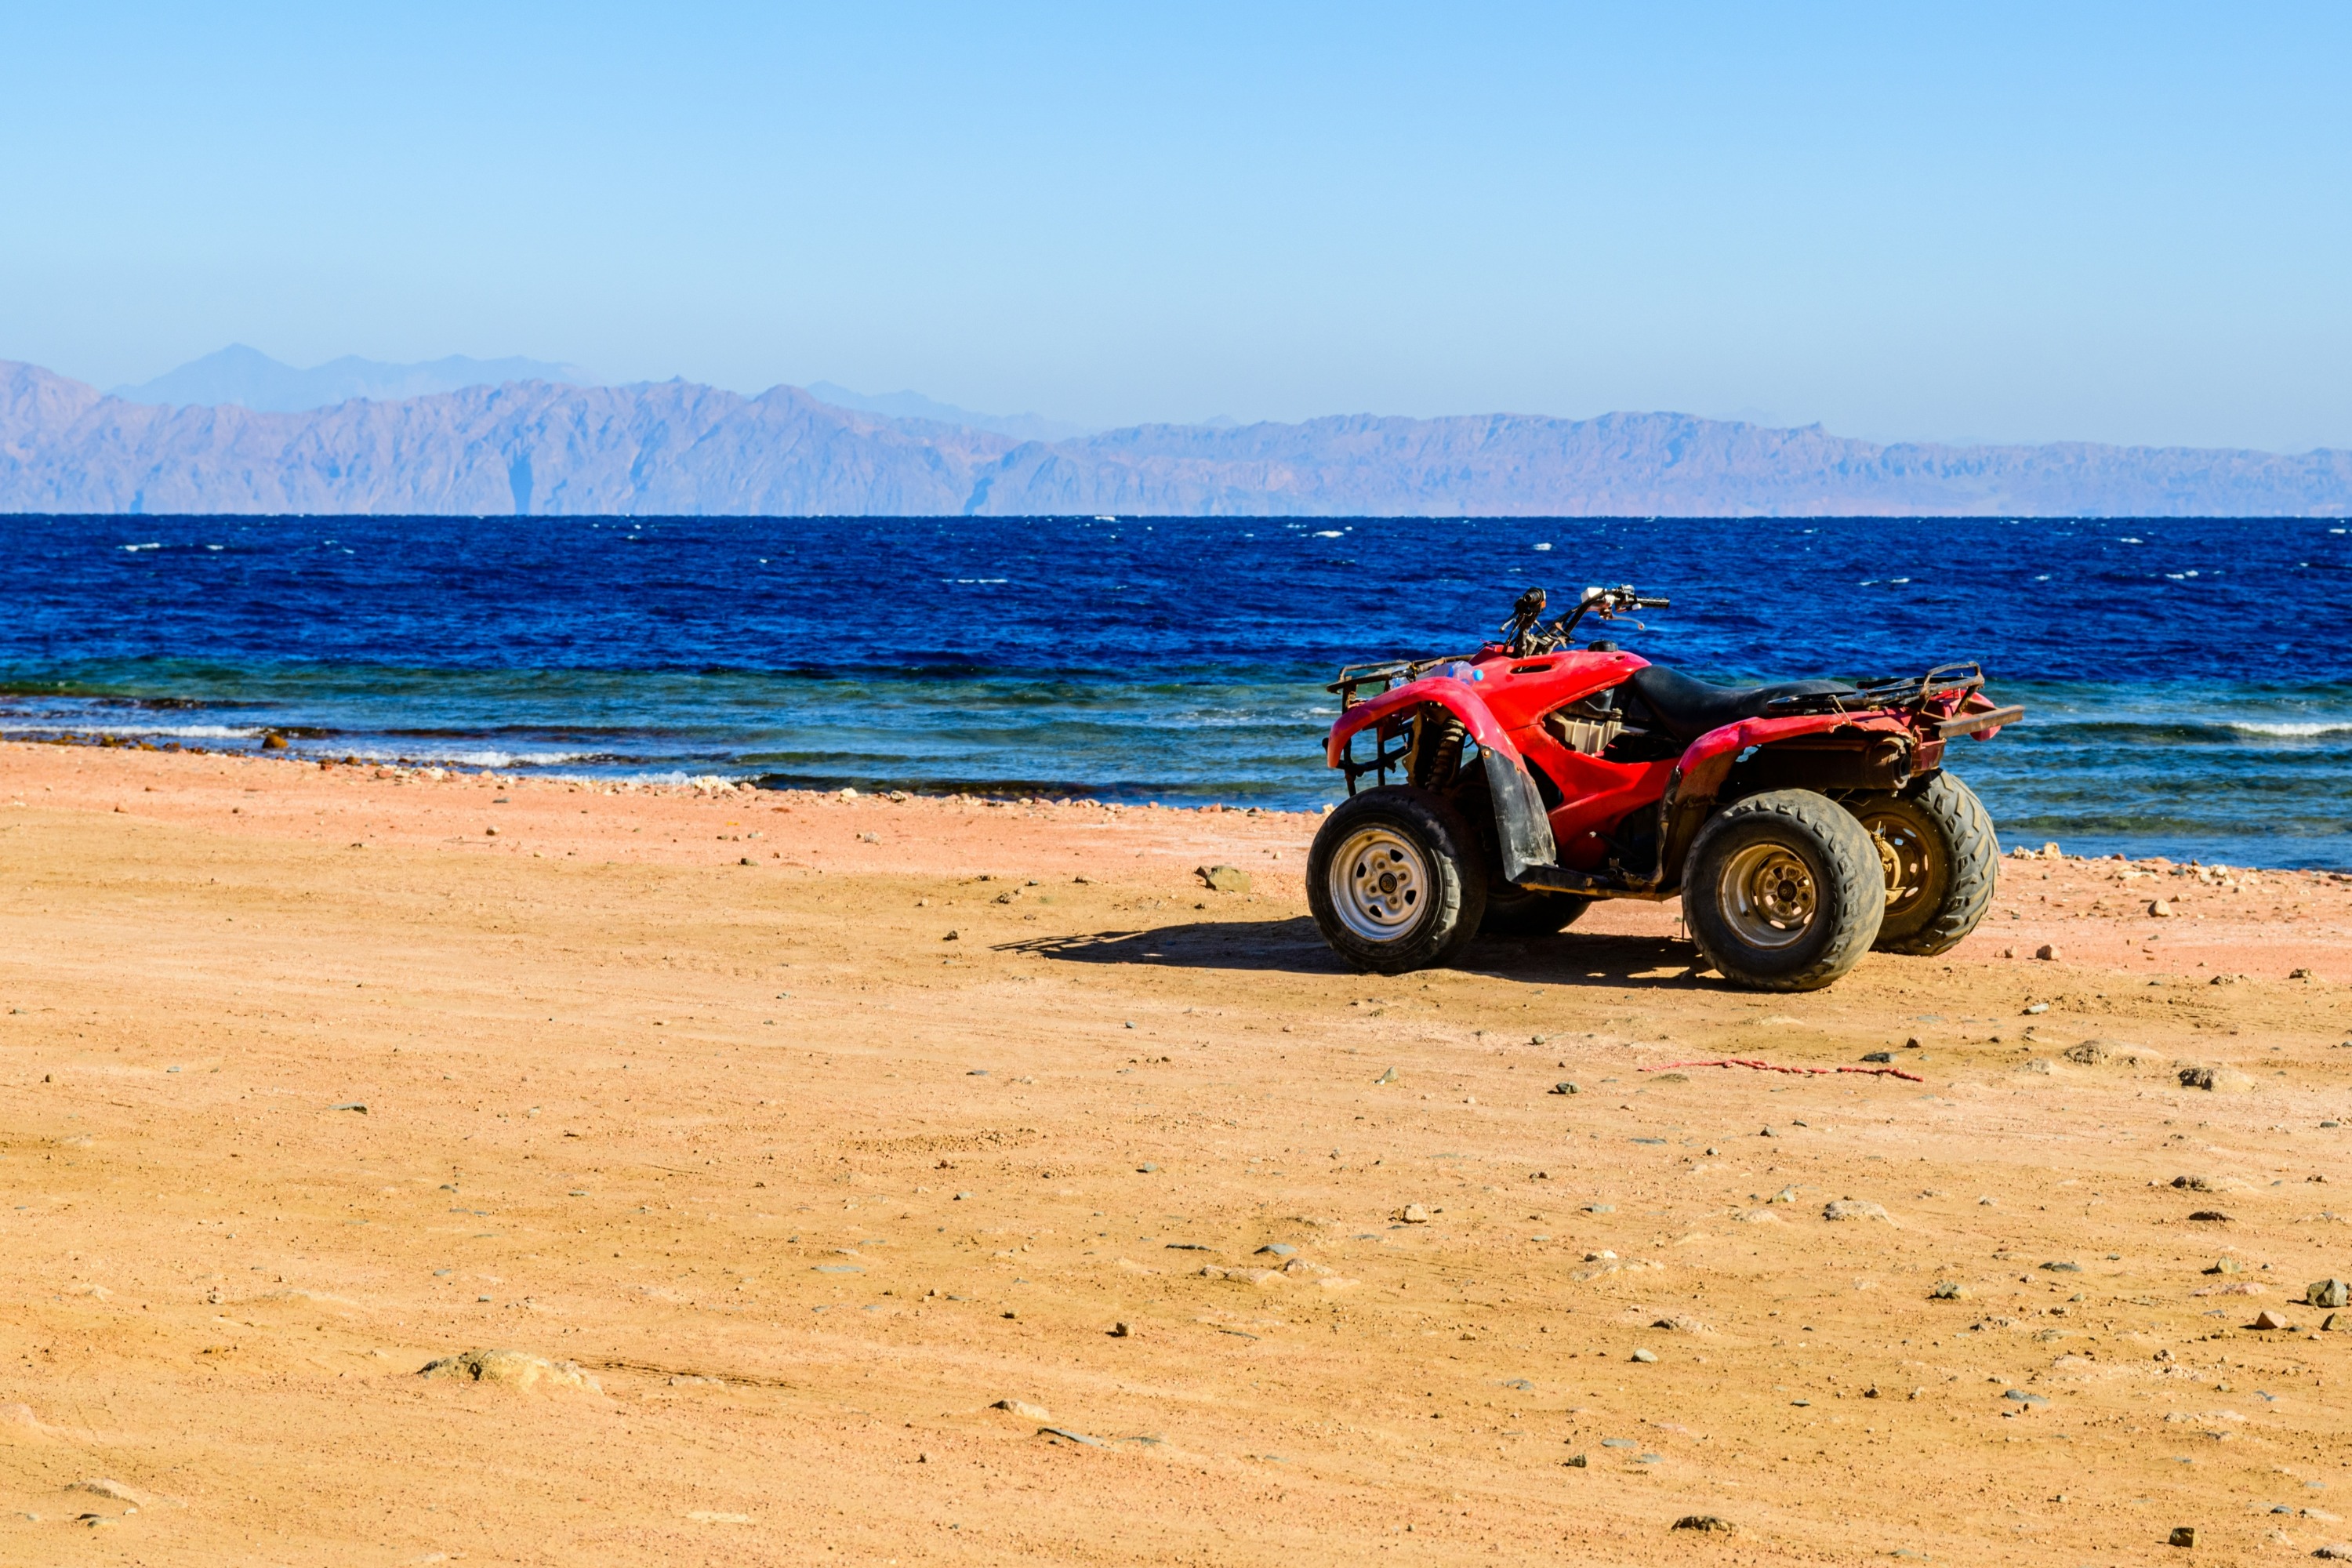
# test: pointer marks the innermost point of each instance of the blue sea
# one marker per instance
(2189, 683)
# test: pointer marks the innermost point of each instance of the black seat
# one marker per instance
(1688, 709)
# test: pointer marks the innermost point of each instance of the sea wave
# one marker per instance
(2290, 730)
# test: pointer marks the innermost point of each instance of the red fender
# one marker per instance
(1459, 697)
(1708, 760)
(1523, 837)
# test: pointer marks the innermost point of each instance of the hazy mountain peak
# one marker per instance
(915, 405)
(247, 377)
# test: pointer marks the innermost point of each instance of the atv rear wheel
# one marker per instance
(1514, 911)
(1783, 891)
(1941, 859)
(1396, 880)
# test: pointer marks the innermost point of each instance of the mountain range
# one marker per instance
(542, 446)
(251, 379)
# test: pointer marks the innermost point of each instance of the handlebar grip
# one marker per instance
(1652, 605)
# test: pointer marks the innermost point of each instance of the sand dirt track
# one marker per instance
(805, 1188)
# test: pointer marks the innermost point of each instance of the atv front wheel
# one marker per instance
(1514, 911)
(1395, 880)
(1940, 856)
(1783, 891)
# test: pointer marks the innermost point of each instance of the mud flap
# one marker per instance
(1522, 830)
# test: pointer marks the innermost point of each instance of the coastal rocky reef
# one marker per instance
(676, 449)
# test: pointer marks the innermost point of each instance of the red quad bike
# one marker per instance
(1801, 823)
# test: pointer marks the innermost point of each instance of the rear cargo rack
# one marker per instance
(1878, 692)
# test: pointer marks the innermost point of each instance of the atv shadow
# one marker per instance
(1295, 947)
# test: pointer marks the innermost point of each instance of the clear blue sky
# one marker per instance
(2030, 222)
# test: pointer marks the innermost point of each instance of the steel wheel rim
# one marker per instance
(1769, 895)
(1903, 854)
(1380, 884)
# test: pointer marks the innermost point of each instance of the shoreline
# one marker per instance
(1000, 793)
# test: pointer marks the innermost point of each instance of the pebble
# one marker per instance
(2161, 909)
(2046, 951)
(1879, 1057)
(1564, 1087)
(1388, 1077)
(1122, 1330)
(2268, 1319)
(1022, 1407)
(1948, 1290)
(2064, 1268)
(2183, 1535)
(1279, 1250)
(1412, 1214)
(1848, 1208)
(1705, 1522)
(1645, 1356)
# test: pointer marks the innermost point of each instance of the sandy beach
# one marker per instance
(872, 1180)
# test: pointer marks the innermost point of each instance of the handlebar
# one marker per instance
(1526, 638)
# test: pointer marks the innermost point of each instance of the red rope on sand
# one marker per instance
(1774, 1067)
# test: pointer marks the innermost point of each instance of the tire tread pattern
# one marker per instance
(1853, 864)
(1975, 866)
